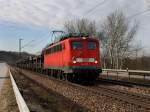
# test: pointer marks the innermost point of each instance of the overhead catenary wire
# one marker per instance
(104, 1)
(138, 14)
(38, 42)
(34, 40)
(86, 13)
(33, 46)
(27, 44)
(93, 8)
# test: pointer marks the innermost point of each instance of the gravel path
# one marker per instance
(7, 97)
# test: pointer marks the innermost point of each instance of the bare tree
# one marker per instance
(81, 26)
(69, 26)
(118, 38)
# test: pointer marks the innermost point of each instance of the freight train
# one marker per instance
(72, 58)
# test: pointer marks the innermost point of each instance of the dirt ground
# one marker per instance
(39, 99)
(7, 97)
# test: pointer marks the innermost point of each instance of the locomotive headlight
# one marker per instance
(96, 61)
(74, 61)
(84, 37)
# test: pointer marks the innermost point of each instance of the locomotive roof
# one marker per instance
(73, 35)
(71, 38)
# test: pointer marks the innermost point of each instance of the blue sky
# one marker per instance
(10, 33)
(34, 19)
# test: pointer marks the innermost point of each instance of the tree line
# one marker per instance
(116, 35)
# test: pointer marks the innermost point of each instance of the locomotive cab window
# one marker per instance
(92, 45)
(77, 45)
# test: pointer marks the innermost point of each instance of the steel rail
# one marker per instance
(144, 99)
(122, 82)
(133, 99)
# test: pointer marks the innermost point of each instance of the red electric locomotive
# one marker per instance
(77, 58)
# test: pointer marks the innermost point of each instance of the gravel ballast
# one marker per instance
(40, 99)
(96, 103)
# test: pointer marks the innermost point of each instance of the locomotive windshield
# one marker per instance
(91, 45)
(77, 45)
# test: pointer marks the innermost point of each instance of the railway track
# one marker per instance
(126, 86)
(139, 101)
(134, 99)
(124, 82)
(121, 82)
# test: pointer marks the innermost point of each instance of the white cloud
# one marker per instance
(47, 12)
(147, 3)
(55, 12)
